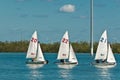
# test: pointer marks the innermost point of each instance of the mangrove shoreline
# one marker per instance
(79, 47)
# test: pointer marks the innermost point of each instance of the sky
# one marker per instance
(51, 18)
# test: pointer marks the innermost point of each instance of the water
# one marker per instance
(13, 67)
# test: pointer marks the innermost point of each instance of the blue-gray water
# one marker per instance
(13, 67)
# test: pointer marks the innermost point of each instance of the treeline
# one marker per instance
(79, 47)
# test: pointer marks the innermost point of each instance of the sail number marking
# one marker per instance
(102, 54)
(64, 54)
(32, 53)
(34, 40)
(103, 40)
(65, 40)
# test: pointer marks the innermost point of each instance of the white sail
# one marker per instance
(72, 57)
(31, 53)
(40, 56)
(110, 58)
(101, 52)
(64, 47)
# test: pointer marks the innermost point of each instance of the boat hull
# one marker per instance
(62, 63)
(38, 62)
(66, 65)
(104, 65)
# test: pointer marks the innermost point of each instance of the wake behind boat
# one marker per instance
(104, 55)
(66, 53)
(34, 53)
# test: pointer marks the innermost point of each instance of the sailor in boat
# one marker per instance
(97, 61)
(42, 62)
(101, 61)
(32, 60)
(62, 61)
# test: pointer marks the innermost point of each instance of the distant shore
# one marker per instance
(79, 47)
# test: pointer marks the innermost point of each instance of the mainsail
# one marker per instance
(64, 47)
(101, 52)
(32, 49)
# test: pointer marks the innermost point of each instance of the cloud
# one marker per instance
(67, 8)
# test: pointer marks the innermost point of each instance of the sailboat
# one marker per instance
(66, 53)
(104, 55)
(34, 53)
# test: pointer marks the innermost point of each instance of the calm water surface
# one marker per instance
(13, 67)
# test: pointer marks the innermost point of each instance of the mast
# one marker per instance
(91, 26)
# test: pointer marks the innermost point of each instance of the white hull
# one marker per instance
(62, 63)
(104, 65)
(36, 62)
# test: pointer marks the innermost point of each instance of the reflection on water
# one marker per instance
(105, 73)
(65, 71)
(65, 74)
(35, 66)
(35, 73)
(66, 66)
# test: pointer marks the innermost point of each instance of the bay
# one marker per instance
(13, 67)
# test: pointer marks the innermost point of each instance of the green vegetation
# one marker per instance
(79, 47)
